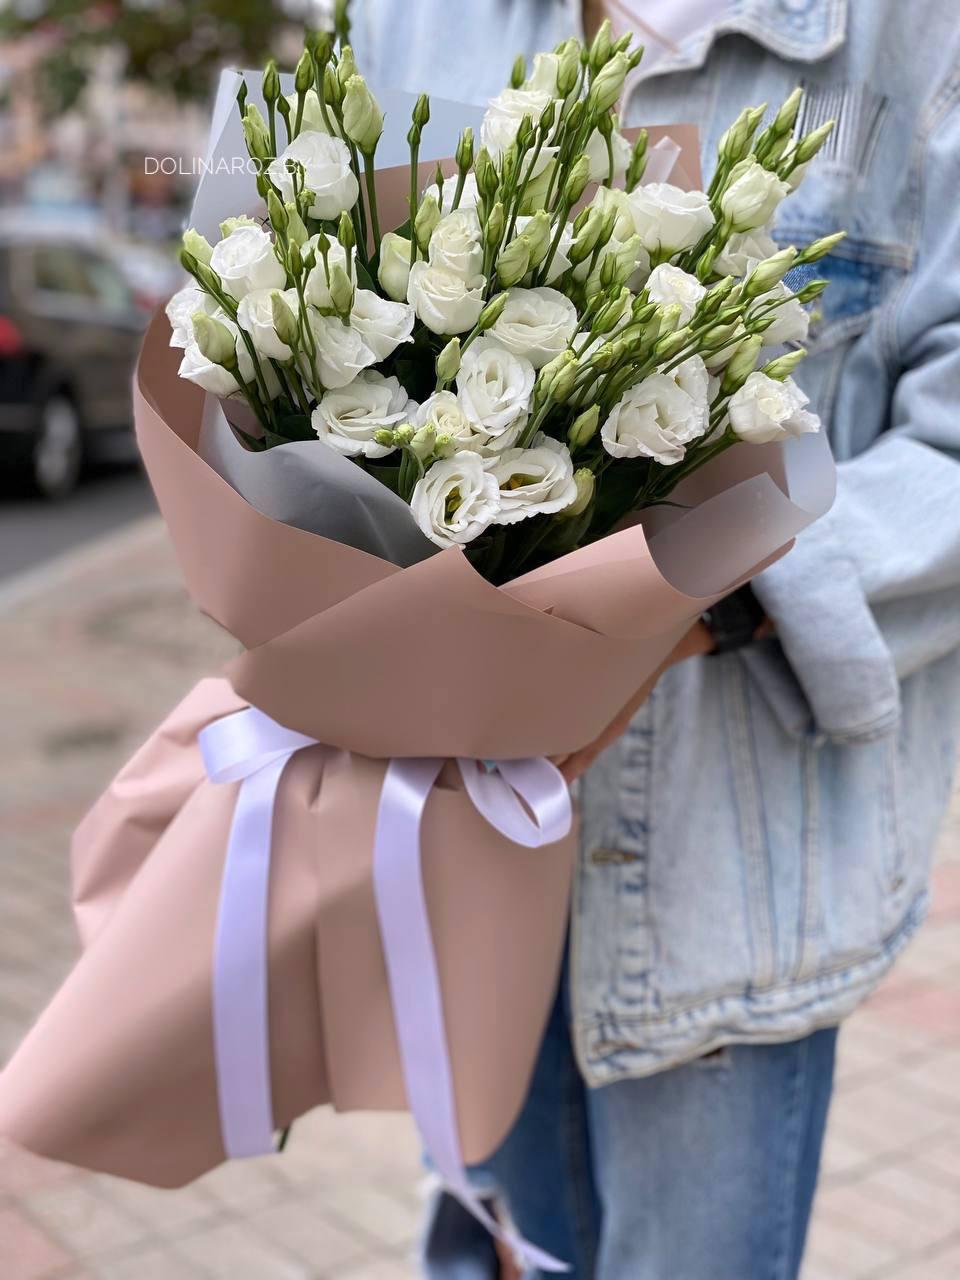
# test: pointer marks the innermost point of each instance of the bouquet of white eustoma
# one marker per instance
(537, 351)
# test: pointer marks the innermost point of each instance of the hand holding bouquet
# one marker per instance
(537, 351)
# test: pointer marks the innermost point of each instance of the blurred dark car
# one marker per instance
(70, 327)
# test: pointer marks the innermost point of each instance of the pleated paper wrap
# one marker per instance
(376, 661)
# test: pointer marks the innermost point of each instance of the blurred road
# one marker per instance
(33, 532)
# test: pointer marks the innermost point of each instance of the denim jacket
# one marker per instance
(756, 848)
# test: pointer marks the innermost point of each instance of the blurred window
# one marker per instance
(107, 283)
(59, 269)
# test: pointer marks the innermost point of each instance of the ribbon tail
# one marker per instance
(415, 988)
(240, 1014)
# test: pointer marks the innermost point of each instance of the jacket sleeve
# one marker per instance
(871, 593)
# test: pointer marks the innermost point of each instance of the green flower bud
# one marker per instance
(206, 277)
(385, 437)
(197, 245)
(271, 83)
(720, 336)
(742, 364)
(671, 345)
(445, 447)
(491, 313)
(588, 237)
(347, 67)
(428, 215)
(423, 441)
(705, 265)
(404, 434)
(808, 146)
(341, 291)
(448, 361)
(525, 135)
(584, 428)
(810, 292)
(320, 44)
(496, 224)
(284, 321)
(608, 84)
(549, 373)
(486, 174)
(464, 155)
(518, 72)
(538, 234)
(548, 117)
(786, 117)
(611, 315)
(574, 122)
(513, 262)
(576, 181)
(782, 368)
(769, 273)
(277, 212)
(563, 384)
(736, 142)
(294, 261)
(305, 73)
(568, 69)
(820, 248)
(345, 231)
(508, 164)
(296, 228)
(601, 51)
(421, 112)
(217, 344)
(586, 483)
(332, 90)
(638, 161)
(256, 134)
(362, 117)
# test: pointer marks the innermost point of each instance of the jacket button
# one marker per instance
(612, 857)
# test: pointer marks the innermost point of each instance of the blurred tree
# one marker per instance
(176, 46)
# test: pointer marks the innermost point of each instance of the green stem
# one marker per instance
(372, 200)
(414, 198)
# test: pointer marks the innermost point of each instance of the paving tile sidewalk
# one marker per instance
(91, 659)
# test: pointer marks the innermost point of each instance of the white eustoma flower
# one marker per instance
(341, 351)
(504, 115)
(347, 418)
(181, 309)
(496, 390)
(654, 419)
(535, 323)
(255, 317)
(667, 219)
(765, 409)
(456, 245)
(693, 377)
(534, 481)
(743, 251)
(327, 173)
(394, 269)
(669, 285)
(791, 320)
(195, 367)
(596, 150)
(456, 500)
(383, 325)
(246, 260)
(469, 196)
(445, 414)
(315, 289)
(543, 78)
(445, 302)
(752, 197)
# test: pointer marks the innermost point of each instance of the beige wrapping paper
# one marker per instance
(376, 661)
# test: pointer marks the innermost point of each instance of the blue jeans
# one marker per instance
(703, 1172)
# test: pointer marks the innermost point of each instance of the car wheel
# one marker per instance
(57, 456)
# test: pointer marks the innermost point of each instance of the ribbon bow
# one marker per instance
(525, 800)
